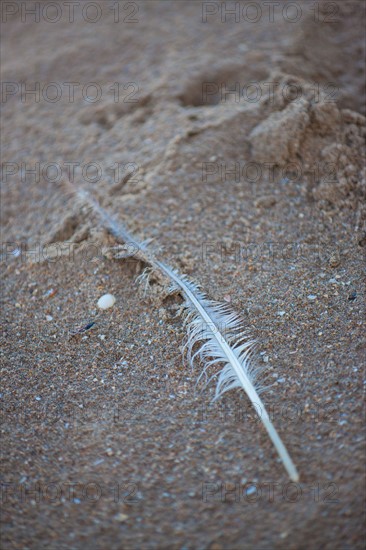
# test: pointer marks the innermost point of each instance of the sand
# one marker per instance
(236, 143)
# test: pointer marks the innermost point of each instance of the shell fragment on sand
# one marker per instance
(106, 301)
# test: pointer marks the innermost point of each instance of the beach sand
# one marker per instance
(236, 143)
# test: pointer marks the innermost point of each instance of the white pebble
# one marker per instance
(106, 301)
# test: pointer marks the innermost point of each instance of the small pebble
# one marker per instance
(50, 293)
(121, 517)
(49, 317)
(312, 297)
(334, 260)
(106, 301)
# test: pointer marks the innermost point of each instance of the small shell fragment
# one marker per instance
(106, 301)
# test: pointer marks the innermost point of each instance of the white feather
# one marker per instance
(218, 333)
